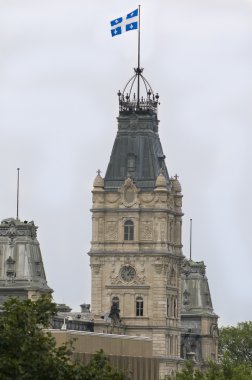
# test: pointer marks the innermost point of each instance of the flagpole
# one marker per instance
(138, 60)
(18, 193)
(190, 239)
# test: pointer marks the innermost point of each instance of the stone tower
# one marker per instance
(136, 249)
(199, 336)
(22, 272)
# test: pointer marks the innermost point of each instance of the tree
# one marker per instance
(235, 342)
(235, 349)
(100, 369)
(223, 371)
(29, 353)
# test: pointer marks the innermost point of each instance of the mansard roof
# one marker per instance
(137, 151)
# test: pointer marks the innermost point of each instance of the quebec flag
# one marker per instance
(125, 23)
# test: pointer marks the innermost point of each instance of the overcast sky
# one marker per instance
(60, 70)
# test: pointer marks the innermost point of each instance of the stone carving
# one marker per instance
(111, 230)
(178, 232)
(10, 267)
(137, 280)
(12, 229)
(158, 265)
(112, 198)
(172, 279)
(170, 203)
(129, 193)
(162, 232)
(214, 331)
(147, 230)
(100, 229)
(193, 267)
(178, 202)
(147, 198)
(33, 231)
(115, 314)
(186, 299)
(171, 231)
(96, 267)
(98, 199)
(161, 198)
(171, 274)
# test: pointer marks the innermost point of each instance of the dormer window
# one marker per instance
(128, 230)
(131, 163)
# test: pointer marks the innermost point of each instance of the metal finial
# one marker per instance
(98, 172)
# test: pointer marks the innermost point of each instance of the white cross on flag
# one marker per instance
(125, 23)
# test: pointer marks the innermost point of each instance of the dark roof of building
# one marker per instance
(137, 151)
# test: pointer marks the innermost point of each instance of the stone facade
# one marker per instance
(22, 272)
(199, 335)
(140, 285)
(136, 249)
(145, 269)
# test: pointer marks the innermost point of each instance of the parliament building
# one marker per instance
(145, 293)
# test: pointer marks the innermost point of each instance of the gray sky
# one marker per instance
(60, 71)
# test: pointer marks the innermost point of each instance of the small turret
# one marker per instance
(98, 181)
(161, 182)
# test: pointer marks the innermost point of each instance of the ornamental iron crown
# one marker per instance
(131, 101)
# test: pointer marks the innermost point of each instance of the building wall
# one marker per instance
(154, 255)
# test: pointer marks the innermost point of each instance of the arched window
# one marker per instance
(128, 230)
(139, 306)
(115, 301)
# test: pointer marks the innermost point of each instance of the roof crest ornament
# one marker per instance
(129, 101)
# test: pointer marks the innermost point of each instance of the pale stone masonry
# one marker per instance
(22, 271)
(136, 258)
(136, 248)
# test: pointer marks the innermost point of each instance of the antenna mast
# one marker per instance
(190, 239)
(18, 193)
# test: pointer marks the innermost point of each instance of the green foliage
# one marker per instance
(235, 342)
(29, 353)
(235, 348)
(224, 371)
(100, 369)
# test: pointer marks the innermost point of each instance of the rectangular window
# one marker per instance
(139, 307)
(128, 230)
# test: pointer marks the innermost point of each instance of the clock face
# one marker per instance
(128, 273)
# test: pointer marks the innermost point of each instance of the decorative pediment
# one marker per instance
(138, 280)
(13, 228)
(129, 193)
